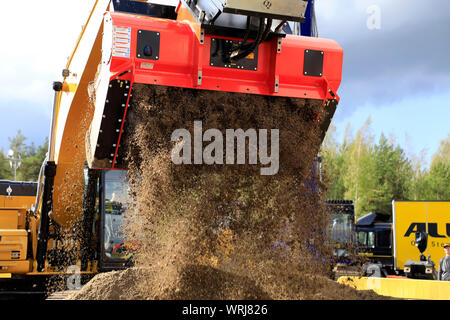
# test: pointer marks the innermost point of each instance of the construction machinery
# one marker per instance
(419, 227)
(343, 235)
(374, 243)
(396, 250)
(396, 247)
(254, 47)
(342, 227)
(17, 200)
(17, 194)
(341, 214)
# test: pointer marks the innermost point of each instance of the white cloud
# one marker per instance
(37, 38)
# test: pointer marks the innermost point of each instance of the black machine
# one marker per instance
(342, 213)
(374, 243)
(425, 268)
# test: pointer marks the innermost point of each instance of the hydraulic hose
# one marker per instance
(263, 33)
(244, 40)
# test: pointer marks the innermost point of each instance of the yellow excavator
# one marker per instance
(256, 47)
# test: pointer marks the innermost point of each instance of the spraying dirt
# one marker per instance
(222, 231)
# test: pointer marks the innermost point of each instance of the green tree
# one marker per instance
(32, 159)
(333, 165)
(29, 171)
(359, 176)
(375, 174)
(420, 177)
(393, 173)
(443, 153)
(5, 169)
(17, 144)
(436, 184)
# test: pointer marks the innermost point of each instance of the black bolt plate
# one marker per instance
(152, 40)
(18, 188)
(313, 63)
(113, 114)
(218, 56)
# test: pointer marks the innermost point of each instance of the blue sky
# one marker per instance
(399, 75)
(37, 38)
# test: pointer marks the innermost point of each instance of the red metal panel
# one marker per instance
(182, 57)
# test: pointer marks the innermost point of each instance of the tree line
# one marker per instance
(373, 173)
(32, 157)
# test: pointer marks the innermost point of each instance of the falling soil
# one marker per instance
(222, 231)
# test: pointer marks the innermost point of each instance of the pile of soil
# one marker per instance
(222, 231)
(197, 282)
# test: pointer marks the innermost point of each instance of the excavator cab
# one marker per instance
(109, 198)
(115, 251)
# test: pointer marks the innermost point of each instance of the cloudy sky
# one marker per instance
(399, 73)
(396, 65)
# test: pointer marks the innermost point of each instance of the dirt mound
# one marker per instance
(193, 282)
(114, 285)
(197, 282)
